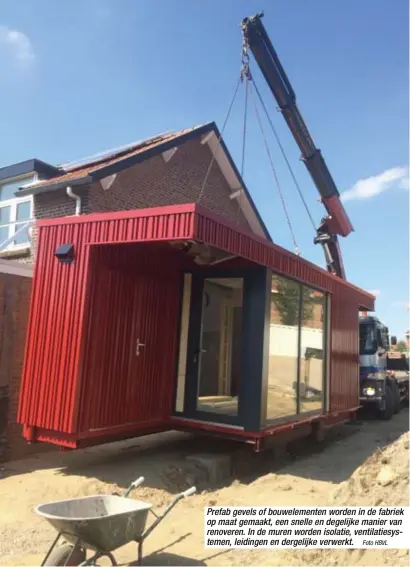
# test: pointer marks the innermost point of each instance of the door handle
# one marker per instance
(138, 346)
(197, 353)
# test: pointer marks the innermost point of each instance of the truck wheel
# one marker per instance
(60, 554)
(396, 396)
(388, 411)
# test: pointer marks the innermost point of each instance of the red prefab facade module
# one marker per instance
(117, 332)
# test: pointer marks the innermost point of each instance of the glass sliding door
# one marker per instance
(219, 353)
(297, 350)
(283, 349)
(312, 349)
(222, 365)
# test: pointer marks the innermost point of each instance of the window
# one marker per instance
(15, 212)
(283, 348)
(220, 350)
(367, 338)
(312, 348)
(297, 344)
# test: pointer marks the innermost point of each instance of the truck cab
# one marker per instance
(379, 388)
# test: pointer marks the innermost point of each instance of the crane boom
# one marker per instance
(336, 222)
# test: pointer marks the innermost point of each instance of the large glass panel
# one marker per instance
(283, 348)
(4, 223)
(220, 350)
(9, 189)
(312, 348)
(23, 214)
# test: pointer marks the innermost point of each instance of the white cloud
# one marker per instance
(372, 186)
(17, 44)
(375, 292)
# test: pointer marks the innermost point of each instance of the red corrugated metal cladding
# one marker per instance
(70, 384)
(82, 377)
(123, 383)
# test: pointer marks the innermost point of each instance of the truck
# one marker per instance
(383, 376)
(383, 383)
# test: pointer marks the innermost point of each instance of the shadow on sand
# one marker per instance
(161, 458)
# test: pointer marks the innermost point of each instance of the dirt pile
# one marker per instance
(382, 480)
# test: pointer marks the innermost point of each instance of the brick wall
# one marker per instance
(52, 205)
(152, 183)
(14, 305)
(156, 182)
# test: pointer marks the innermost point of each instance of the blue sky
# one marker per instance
(83, 76)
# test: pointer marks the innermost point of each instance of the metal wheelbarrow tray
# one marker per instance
(98, 522)
(101, 524)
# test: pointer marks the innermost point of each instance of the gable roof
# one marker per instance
(101, 166)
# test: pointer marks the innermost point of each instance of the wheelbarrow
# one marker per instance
(101, 525)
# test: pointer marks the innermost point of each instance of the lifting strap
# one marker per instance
(284, 155)
(275, 175)
(247, 78)
(208, 171)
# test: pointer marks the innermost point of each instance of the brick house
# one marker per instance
(165, 170)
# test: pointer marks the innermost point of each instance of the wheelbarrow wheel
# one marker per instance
(60, 555)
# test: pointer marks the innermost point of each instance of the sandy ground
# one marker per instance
(343, 470)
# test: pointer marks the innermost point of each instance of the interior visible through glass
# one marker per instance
(220, 346)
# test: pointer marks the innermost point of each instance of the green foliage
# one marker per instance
(287, 302)
(401, 346)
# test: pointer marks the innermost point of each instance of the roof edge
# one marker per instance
(242, 183)
(198, 210)
(33, 190)
(123, 163)
(33, 165)
(129, 161)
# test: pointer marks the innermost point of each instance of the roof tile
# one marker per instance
(112, 157)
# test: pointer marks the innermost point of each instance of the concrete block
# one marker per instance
(216, 466)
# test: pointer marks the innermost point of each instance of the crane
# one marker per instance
(336, 223)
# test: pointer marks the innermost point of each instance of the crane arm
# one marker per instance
(336, 222)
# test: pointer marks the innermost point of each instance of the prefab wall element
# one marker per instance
(50, 396)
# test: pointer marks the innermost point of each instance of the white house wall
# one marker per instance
(284, 339)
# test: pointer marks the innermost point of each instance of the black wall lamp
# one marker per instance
(65, 253)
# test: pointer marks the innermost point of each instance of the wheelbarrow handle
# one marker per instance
(133, 485)
(167, 510)
(189, 492)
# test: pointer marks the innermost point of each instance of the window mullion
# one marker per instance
(13, 218)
